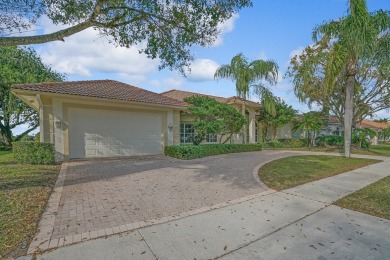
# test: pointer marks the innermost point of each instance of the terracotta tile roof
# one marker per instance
(109, 89)
(333, 120)
(371, 124)
(180, 95)
(237, 100)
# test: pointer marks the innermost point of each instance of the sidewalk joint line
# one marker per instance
(271, 233)
(147, 243)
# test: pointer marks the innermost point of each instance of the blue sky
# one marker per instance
(271, 29)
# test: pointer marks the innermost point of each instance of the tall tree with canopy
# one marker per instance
(19, 65)
(213, 117)
(167, 28)
(357, 35)
(372, 87)
(251, 74)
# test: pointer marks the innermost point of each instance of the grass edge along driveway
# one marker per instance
(374, 150)
(292, 171)
(373, 199)
(296, 170)
(24, 192)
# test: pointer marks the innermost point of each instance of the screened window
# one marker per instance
(186, 133)
(212, 138)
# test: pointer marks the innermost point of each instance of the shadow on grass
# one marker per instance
(15, 176)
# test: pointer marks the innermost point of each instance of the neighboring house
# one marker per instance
(105, 118)
(332, 127)
(376, 126)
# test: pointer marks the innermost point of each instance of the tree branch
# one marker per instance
(24, 133)
(56, 36)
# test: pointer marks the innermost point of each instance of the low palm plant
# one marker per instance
(362, 136)
(309, 122)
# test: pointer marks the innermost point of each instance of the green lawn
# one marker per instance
(6, 157)
(24, 191)
(296, 170)
(378, 150)
(373, 199)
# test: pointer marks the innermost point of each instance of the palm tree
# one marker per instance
(309, 122)
(359, 34)
(385, 133)
(249, 75)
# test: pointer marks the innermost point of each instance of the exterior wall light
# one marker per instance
(58, 124)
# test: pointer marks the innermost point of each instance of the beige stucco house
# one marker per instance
(106, 118)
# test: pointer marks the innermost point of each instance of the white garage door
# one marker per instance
(104, 133)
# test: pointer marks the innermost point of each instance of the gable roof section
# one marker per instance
(109, 89)
(180, 95)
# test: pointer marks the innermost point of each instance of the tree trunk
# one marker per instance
(245, 126)
(274, 135)
(6, 137)
(229, 138)
(308, 138)
(348, 113)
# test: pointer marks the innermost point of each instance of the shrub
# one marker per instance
(294, 143)
(38, 137)
(198, 151)
(273, 144)
(33, 152)
(330, 140)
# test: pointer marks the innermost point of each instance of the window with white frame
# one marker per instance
(257, 133)
(186, 133)
(212, 138)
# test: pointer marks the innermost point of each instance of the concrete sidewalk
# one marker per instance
(295, 223)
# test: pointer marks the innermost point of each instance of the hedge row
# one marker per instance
(330, 140)
(287, 143)
(199, 151)
(33, 152)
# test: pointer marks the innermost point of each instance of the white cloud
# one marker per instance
(202, 70)
(87, 52)
(263, 56)
(383, 114)
(225, 27)
(173, 82)
(132, 79)
(155, 83)
(296, 52)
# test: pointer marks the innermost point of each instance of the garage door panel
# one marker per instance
(102, 133)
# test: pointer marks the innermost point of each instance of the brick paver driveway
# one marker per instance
(100, 194)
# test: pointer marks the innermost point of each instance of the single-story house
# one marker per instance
(377, 127)
(106, 118)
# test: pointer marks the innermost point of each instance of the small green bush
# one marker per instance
(33, 153)
(273, 144)
(330, 140)
(294, 143)
(199, 151)
(38, 137)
